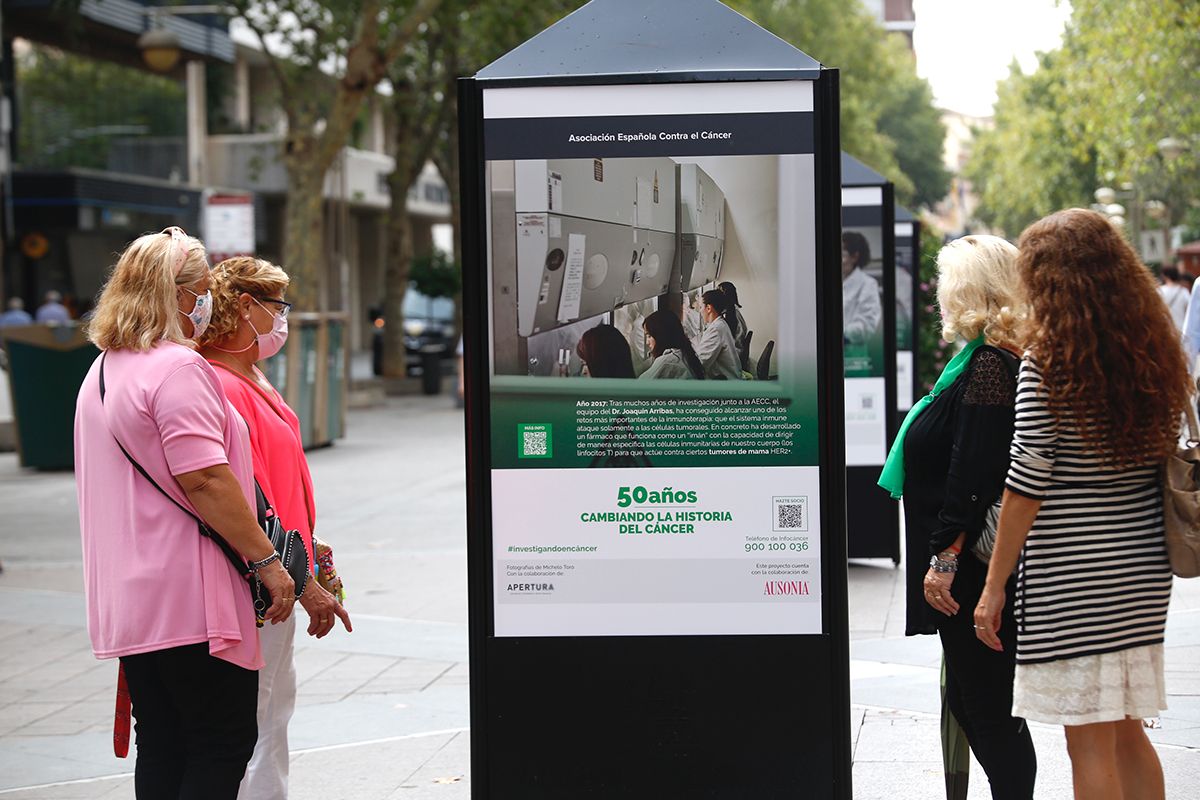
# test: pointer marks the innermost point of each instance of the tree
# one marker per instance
(888, 120)
(460, 38)
(1034, 161)
(325, 57)
(1094, 112)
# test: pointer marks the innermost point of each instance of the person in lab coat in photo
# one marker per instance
(674, 356)
(741, 333)
(716, 348)
(862, 308)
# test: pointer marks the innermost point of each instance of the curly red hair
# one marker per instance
(1109, 353)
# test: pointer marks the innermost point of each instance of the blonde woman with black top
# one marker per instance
(1100, 394)
(949, 463)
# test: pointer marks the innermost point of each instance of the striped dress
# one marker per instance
(1094, 581)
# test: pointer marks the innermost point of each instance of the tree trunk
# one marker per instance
(303, 233)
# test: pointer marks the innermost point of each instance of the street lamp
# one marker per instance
(160, 47)
(1171, 148)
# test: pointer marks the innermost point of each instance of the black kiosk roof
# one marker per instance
(904, 215)
(652, 41)
(856, 173)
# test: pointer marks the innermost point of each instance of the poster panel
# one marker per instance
(906, 329)
(653, 359)
(863, 325)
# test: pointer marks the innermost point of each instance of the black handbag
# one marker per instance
(288, 544)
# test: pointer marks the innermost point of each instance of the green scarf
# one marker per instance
(892, 477)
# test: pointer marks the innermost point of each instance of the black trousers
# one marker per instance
(979, 687)
(196, 722)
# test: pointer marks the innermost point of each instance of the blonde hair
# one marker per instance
(138, 306)
(980, 291)
(232, 277)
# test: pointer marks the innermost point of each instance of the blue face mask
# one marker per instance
(201, 313)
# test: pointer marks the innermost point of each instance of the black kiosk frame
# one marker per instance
(872, 517)
(908, 259)
(563, 715)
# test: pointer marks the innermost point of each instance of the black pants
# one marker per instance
(979, 688)
(196, 721)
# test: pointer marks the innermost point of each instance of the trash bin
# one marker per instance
(46, 364)
(431, 369)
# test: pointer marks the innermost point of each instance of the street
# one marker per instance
(382, 712)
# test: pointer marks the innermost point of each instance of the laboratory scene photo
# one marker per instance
(642, 268)
(862, 301)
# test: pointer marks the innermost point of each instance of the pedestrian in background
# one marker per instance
(52, 309)
(1100, 394)
(160, 596)
(1175, 295)
(16, 313)
(249, 324)
(949, 463)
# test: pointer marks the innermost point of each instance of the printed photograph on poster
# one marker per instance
(600, 289)
(653, 401)
(660, 279)
(862, 301)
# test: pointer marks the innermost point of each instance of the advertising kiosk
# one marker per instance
(656, 533)
(869, 342)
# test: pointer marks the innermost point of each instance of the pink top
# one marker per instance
(151, 580)
(279, 462)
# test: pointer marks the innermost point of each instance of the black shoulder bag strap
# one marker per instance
(234, 558)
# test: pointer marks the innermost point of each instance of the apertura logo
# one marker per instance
(530, 588)
(785, 588)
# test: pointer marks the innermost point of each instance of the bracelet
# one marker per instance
(255, 566)
(940, 565)
(955, 549)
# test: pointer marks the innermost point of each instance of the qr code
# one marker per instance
(789, 517)
(534, 443)
(868, 402)
(791, 514)
(536, 440)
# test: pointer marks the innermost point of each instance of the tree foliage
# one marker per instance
(1034, 161)
(889, 121)
(72, 108)
(325, 57)
(1093, 113)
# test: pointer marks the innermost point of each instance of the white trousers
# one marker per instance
(267, 773)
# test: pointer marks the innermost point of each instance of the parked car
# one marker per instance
(429, 333)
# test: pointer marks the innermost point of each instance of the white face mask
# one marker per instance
(201, 313)
(269, 343)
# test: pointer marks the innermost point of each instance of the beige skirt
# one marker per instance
(1104, 688)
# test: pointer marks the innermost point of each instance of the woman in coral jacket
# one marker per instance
(249, 323)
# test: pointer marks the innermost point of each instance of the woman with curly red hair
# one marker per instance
(1099, 397)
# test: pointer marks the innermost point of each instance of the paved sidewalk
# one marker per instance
(383, 712)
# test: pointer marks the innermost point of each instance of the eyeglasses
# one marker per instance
(284, 306)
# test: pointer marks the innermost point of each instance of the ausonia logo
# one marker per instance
(531, 587)
(776, 588)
